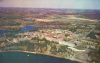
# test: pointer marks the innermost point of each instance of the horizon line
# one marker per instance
(50, 8)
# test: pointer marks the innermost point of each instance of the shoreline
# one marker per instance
(72, 59)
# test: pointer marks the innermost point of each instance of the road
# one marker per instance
(82, 36)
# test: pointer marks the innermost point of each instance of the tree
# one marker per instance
(93, 62)
(67, 35)
(99, 47)
(44, 49)
(24, 48)
(2, 44)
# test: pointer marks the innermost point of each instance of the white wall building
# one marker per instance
(67, 43)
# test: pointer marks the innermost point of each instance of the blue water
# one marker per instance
(25, 29)
(7, 31)
(2, 32)
(19, 57)
(28, 28)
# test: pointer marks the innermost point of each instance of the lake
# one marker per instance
(2, 32)
(21, 57)
(25, 29)
(7, 31)
(28, 28)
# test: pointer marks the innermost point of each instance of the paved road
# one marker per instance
(82, 36)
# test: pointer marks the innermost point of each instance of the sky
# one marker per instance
(70, 4)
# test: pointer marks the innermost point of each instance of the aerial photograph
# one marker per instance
(49, 31)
